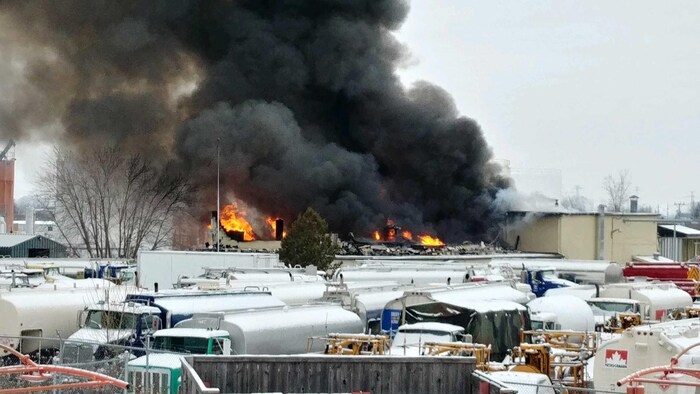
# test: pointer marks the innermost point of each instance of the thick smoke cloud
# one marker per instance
(303, 96)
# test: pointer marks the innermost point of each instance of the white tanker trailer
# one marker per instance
(46, 313)
(283, 330)
(277, 330)
(411, 275)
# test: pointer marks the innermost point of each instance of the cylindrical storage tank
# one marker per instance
(572, 312)
(613, 273)
(45, 313)
(281, 330)
(401, 276)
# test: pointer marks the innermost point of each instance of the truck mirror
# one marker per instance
(227, 346)
(82, 316)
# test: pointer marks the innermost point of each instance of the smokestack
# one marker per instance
(600, 253)
(279, 229)
(633, 204)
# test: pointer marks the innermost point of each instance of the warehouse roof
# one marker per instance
(681, 230)
(10, 240)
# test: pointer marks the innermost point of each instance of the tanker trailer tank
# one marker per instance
(46, 313)
(283, 330)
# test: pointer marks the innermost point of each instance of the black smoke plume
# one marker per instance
(302, 94)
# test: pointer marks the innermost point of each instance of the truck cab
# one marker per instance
(161, 372)
(410, 337)
(543, 279)
(605, 309)
(119, 273)
(110, 324)
(544, 321)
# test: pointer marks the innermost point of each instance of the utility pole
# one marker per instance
(218, 194)
(678, 206)
(692, 203)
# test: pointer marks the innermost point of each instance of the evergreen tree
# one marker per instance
(308, 242)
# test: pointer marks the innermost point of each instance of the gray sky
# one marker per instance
(586, 87)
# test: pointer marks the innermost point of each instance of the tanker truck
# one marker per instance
(647, 346)
(276, 330)
(45, 313)
(133, 321)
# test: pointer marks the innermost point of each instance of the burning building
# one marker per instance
(236, 230)
(303, 96)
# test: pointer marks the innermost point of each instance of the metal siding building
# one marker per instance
(19, 245)
(679, 243)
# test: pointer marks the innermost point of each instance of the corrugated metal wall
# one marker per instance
(333, 374)
(56, 250)
(671, 248)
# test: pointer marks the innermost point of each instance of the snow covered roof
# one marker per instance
(652, 259)
(481, 306)
(465, 296)
(10, 240)
(681, 230)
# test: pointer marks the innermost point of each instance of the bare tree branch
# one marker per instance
(617, 189)
(111, 203)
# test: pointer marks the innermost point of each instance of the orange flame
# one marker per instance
(430, 241)
(407, 235)
(272, 222)
(232, 220)
(376, 236)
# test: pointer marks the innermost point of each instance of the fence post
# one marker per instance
(126, 371)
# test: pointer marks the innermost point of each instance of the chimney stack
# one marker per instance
(279, 229)
(633, 204)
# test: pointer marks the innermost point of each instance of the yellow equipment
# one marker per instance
(621, 322)
(561, 355)
(354, 344)
(481, 352)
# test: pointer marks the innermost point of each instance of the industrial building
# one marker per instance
(583, 235)
(20, 245)
(679, 243)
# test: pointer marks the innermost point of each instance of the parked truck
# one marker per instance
(275, 330)
(684, 275)
(410, 338)
(543, 279)
(648, 346)
(492, 313)
(133, 321)
(45, 313)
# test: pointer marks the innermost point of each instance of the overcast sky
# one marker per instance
(585, 87)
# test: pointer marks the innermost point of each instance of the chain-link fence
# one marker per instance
(145, 369)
